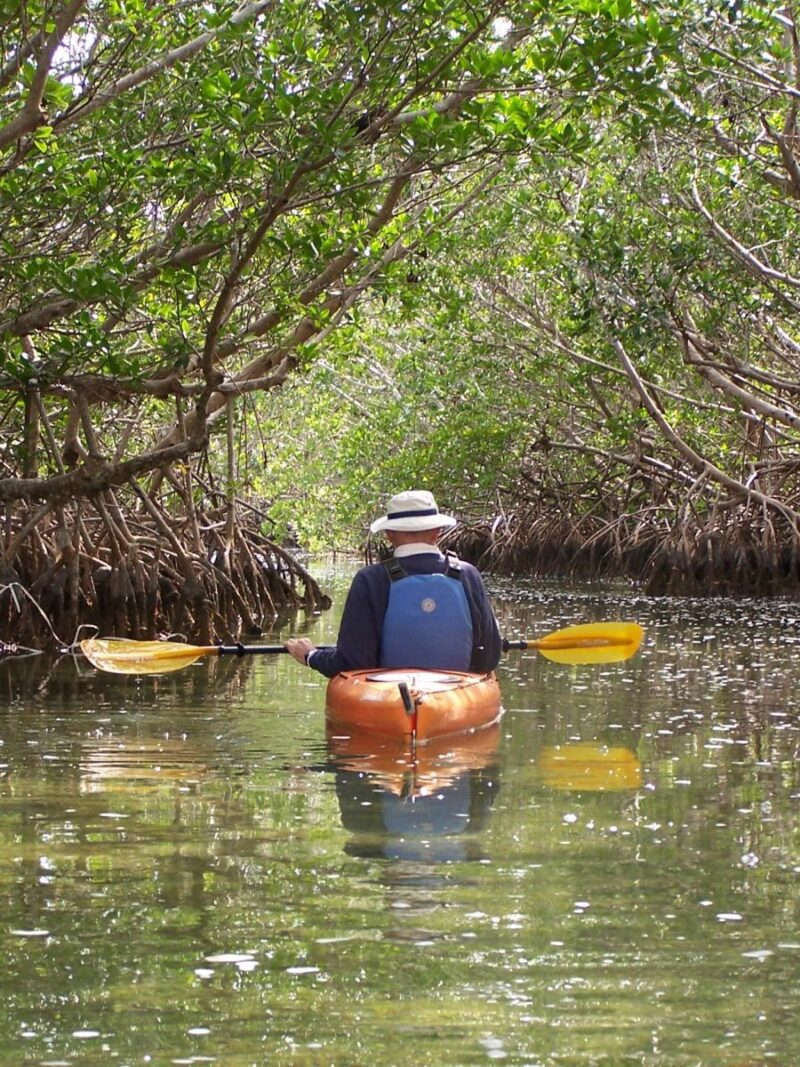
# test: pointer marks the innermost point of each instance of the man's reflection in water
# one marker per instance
(437, 826)
(422, 813)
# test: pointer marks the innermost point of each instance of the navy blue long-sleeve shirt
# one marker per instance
(359, 641)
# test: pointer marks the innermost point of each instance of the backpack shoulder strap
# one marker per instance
(393, 569)
(453, 569)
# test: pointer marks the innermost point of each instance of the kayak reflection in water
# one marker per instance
(428, 807)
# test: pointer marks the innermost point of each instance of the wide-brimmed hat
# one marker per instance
(413, 510)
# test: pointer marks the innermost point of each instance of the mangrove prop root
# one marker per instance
(110, 565)
(675, 542)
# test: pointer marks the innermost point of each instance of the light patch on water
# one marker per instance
(244, 961)
(343, 937)
(494, 1047)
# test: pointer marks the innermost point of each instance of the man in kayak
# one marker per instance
(421, 608)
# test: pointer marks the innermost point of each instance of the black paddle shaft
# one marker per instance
(254, 650)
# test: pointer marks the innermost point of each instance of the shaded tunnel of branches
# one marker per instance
(640, 279)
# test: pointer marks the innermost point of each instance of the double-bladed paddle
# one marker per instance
(592, 642)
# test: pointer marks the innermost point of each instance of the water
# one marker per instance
(191, 872)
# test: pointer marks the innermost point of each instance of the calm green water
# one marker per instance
(191, 873)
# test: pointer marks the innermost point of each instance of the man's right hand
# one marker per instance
(299, 647)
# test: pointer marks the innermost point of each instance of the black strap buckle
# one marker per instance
(394, 570)
(453, 566)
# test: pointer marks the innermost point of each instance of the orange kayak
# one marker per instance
(419, 704)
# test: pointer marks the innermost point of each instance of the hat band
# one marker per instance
(412, 514)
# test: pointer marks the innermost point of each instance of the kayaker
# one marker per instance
(421, 608)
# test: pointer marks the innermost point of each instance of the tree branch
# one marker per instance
(157, 66)
(95, 476)
(31, 114)
(701, 465)
(689, 338)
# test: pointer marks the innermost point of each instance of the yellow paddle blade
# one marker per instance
(591, 642)
(141, 657)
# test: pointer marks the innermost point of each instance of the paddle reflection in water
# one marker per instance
(428, 804)
(589, 766)
(139, 765)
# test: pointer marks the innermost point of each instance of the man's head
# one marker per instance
(412, 516)
(406, 537)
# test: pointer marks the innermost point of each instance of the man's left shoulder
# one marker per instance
(462, 563)
(468, 570)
